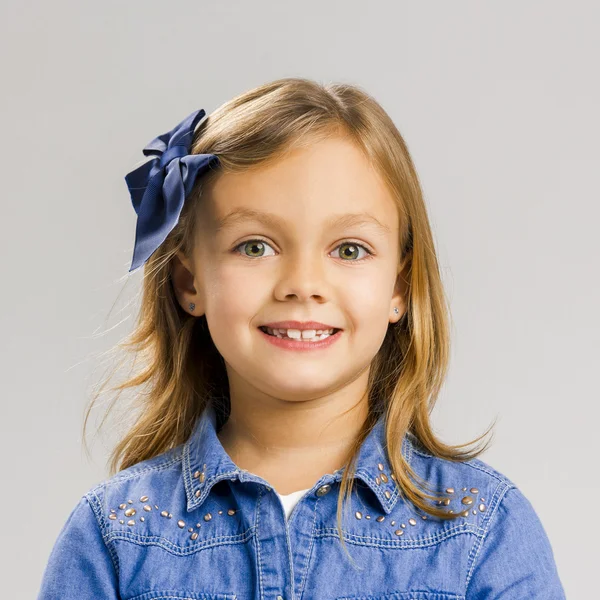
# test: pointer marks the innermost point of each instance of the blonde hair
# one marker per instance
(181, 369)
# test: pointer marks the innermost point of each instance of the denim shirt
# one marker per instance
(190, 524)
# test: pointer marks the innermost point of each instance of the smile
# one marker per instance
(294, 339)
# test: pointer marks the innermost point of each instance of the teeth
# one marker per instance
(305, 334)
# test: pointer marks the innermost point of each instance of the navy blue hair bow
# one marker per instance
(159, 187)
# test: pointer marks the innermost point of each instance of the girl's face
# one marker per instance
(296, 259)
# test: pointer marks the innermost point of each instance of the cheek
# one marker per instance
(368, 294)
(235, 294)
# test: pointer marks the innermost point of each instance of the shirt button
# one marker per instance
(324, 489)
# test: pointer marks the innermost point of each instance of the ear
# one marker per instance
(184, 284)
(401, 289)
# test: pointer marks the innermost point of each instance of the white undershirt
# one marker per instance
(290, 500)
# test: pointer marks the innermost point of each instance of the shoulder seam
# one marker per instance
(118, 478)
(498, 477)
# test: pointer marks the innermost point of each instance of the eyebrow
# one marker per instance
(250, 214)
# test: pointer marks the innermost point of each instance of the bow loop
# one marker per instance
(158, 188)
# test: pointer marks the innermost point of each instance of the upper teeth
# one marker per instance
(298, 333)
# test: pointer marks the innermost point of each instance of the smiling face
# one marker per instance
(300, 256)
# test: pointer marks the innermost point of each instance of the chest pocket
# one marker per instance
(181, 595)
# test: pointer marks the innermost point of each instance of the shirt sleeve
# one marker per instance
(515, 559)
(80, 566)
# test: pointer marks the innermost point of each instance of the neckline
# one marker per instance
(294, 493)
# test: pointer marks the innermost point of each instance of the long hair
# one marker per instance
(177, 369)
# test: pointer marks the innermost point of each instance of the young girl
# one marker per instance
(292, 340)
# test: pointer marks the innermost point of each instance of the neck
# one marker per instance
(292, 444)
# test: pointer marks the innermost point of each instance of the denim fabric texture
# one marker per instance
(190, 524)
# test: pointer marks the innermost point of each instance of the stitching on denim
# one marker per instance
(499, 494)
(368, 540)
(289, 549)
(479, 466)
(423, 454)
(415, 445)
(312, 544)
(180, 595)
(119, 478)
(188, 484)
(391, 502)
(96, 506)
(173, 548)
(411, 449)
(208, 484)
(257, 543)
(404, 595)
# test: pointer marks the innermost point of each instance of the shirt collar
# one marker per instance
(205, 462)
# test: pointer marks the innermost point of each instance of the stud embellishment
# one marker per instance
(130, 511)
(192, 306)
(200, 475)
(470, 502)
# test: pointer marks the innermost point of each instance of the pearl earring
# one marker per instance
(192, 306)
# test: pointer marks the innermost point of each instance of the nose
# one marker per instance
(304, 276)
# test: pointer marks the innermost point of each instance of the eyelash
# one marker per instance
(369, 253)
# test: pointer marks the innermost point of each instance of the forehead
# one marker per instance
(329, 181)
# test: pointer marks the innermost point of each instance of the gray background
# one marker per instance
(498, 102)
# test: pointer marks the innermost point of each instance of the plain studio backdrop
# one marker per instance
(498, 102)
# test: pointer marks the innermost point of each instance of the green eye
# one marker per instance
(256, 246)
(353, 249)
(257, 249)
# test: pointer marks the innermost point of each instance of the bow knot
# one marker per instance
(158, 188)
(170, 154)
